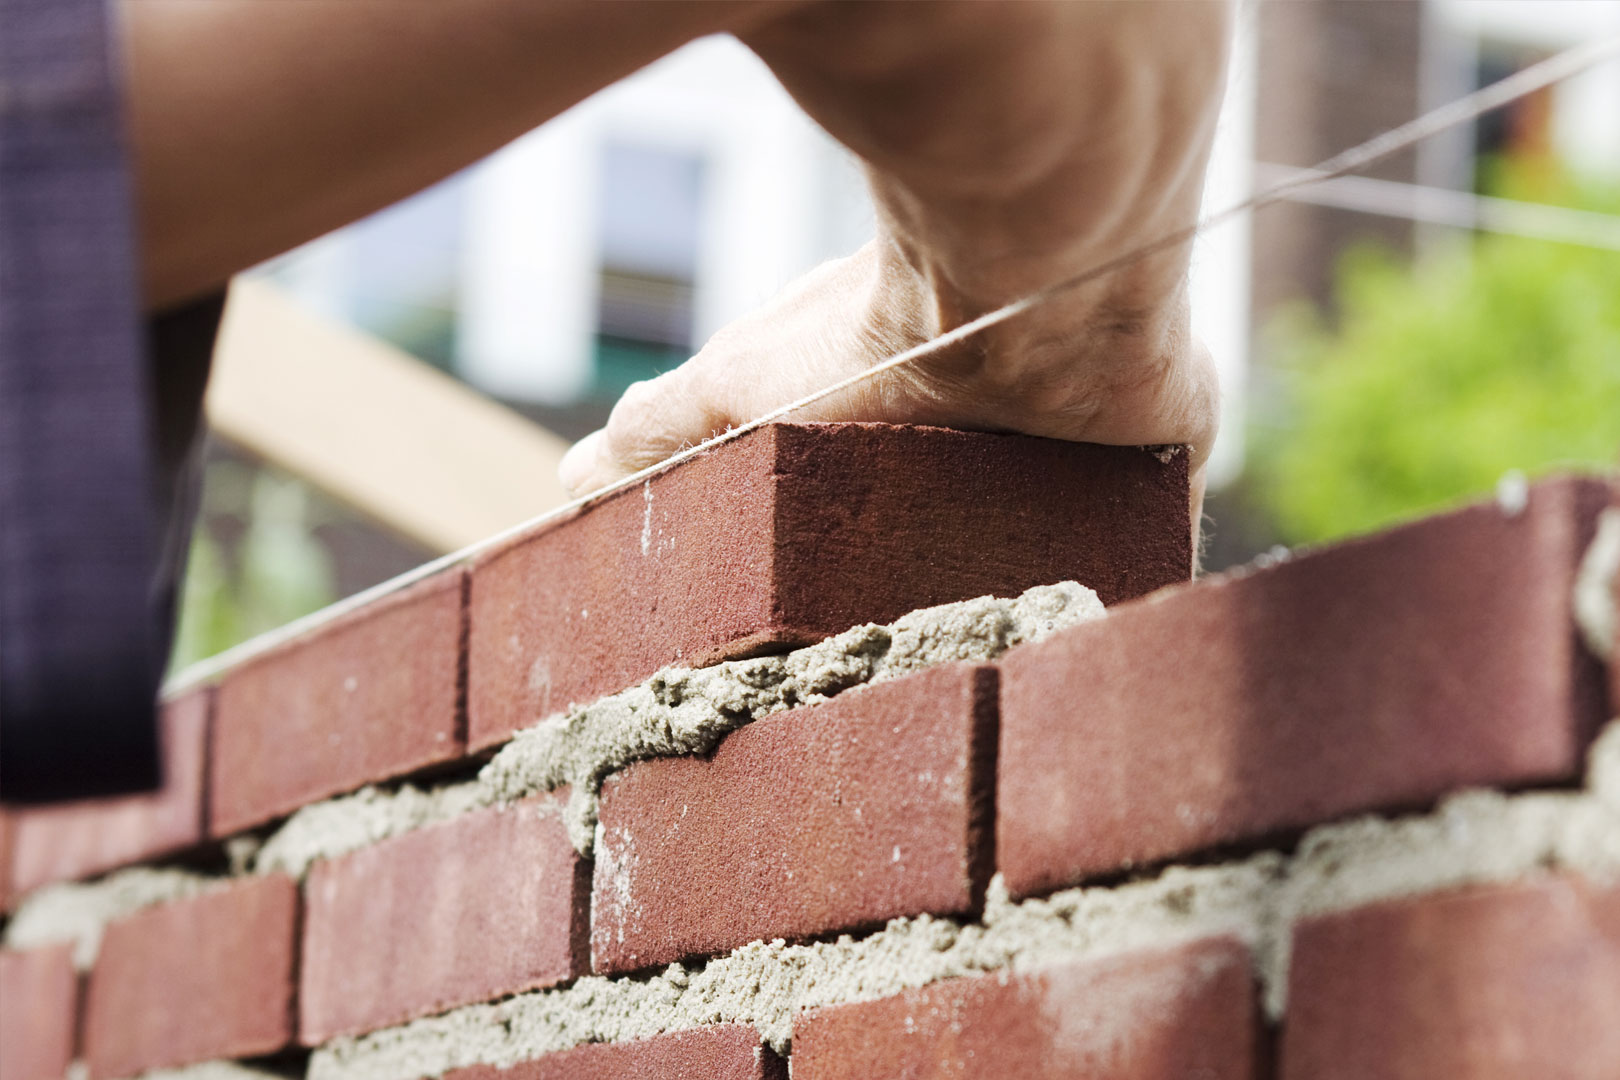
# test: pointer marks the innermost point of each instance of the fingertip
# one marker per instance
(577, 470)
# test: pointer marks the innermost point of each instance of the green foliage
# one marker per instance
(280, 571)
(1497, 355)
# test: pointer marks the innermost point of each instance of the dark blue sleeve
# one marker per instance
(96, 483)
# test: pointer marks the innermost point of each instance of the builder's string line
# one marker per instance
(1552, 70)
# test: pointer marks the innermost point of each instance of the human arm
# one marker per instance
(1008, 145)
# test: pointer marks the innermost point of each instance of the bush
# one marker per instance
(1437, 379)
(279, 571)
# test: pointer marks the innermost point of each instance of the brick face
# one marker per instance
(373, 695)
(1614, 655)
(1614, 659)
(38, 1003)
(206, 977)
(77, 840)
(1377, 674)
(492, 903)
(724, 1052)
(873, 805)
(1488, 982)
(8, 891)
(799, 531)
(1182, 1012)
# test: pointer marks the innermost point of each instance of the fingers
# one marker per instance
(577, 470)
(653, 420)
(1159, 388)
(1199, 405)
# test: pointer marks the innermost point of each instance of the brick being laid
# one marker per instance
(1183, 1011)
(492, 903)
(800, 531)
(874, 805)
(77, 840)
(1377, 674)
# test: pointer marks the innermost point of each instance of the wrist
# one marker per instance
(1109, 328)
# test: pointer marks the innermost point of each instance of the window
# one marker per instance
(648, 226)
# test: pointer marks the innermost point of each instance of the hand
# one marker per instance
(1159, 386)
(1008, 147)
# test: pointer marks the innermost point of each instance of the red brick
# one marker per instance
(1614, 655)
(724, 1052)
(1182, 1012)
(8, 892)
(1488, 982)
(489, 904)
(873, 805)
(1614, 658)
(210, 976)
(1377, 674)
(77, 840)
(799, 531)
(38, 1002)
(375, 694)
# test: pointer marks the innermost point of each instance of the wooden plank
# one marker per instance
(80, 609)
(407, 445)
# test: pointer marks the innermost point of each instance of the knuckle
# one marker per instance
(728, 341)
(629, 423)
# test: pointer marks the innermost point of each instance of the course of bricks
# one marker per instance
(1200, 724)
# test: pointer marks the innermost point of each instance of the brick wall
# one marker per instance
(641, 794)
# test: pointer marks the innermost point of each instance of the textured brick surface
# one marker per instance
(799, 531)
(207, 977)
(1614, 656)
(7, 891)
(1489, 982)
(1182, 1012)
(488, 904)
(873, 805)
(1377, 674)
(38, 1001)
(78, 840)
(375, 694)
(725, 1052)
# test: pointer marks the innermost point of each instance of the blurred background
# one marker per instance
(1388, 344)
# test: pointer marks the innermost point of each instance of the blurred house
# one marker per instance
(608, 244)
(1332, 73)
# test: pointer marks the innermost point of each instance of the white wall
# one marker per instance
(1586, 118)
(1220, 263)
(780, 197)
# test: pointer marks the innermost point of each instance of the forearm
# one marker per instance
(259, 124)
(1010, 146)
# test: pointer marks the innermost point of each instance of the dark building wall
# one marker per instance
(1332, 73)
